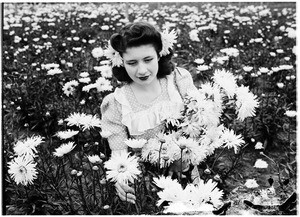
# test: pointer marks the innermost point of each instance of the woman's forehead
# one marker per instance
(139, 51)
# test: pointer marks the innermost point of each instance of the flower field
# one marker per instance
(238, 131)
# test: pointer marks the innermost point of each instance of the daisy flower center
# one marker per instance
(122, 168)
(22, 170)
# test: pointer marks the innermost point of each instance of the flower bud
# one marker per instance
(166, 158)
(259, 145)
(103, 181)
(106, 207)
(217, 178)
(102, 155)
(79, 173)
(74, 172)
(95, 168)
(162, 140)
(207, 171)
(182, 146)
(280, 85)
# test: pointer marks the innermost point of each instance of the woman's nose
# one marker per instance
(142, 69)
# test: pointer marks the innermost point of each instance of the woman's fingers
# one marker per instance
(125, 192)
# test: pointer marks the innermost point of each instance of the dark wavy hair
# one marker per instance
(136, 34)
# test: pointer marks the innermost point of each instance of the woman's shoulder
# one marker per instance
(112, 98)
(181, 72)
(115, 99)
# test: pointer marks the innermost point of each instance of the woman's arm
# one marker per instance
(111, 122)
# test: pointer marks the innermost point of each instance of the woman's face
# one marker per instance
(141, 64)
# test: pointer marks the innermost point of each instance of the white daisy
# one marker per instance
(259, 145)
(28, 146)
(192, 196)
(225, 80)
(172, 193)
(88, 87)
(122, 168)
(85, 80)
(97, 52)
(230, 140)
(83, 120)
(209, 192)
(22, 170)
(165, 182)
(150, 150)
(251, 183)
(191, 129)
(66, 134)
(105, 70)
(246, 103)
(49, 66)
(64, 149)
(260, 164)
(291, 113)
(90, 121)
(247, 68)
(103, 84)
(230, 51)
(94, 159)
(54, 71)
(68, 88)
(84, 74)
(135, 143)
(202, 68)
(113, 55)
(168, 39)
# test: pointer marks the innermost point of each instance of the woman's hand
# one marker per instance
(125, 192)
(175, 167)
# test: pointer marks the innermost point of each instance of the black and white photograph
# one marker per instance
(149, 108)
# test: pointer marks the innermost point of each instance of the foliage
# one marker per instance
(38, 35)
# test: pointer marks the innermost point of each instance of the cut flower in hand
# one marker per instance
(122, 168)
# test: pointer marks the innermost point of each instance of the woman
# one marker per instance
(141, 58)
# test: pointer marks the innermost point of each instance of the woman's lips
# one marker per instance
(144, 78)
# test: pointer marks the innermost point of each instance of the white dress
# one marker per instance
(124, 117)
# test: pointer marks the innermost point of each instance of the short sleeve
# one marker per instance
(111, 122)
(183, 81)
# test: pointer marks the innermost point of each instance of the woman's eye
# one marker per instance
(131, 63)
(148, 60)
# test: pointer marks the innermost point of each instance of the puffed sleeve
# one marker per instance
(111, 122)
(183, 81)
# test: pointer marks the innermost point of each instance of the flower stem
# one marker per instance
(159, 156)
(289, 133)
(85, 207)
(181, 164)
(137, 208)
(217, 159)
(277, 165)
(66, 178)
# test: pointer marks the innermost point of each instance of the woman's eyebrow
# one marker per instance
(150, 56)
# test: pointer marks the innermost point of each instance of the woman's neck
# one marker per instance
(152, 87)
(146, 94)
